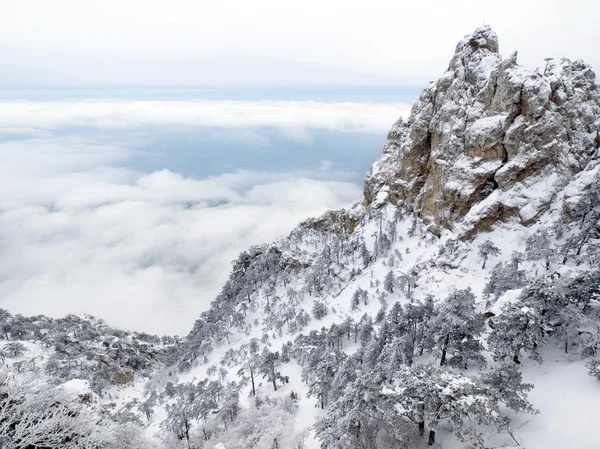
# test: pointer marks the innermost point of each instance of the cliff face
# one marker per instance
(489, 141)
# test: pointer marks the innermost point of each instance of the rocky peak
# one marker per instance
(489, 141)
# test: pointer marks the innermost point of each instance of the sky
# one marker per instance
(144, 144)
(274, 42)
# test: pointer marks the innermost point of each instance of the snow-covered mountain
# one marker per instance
(455, 305)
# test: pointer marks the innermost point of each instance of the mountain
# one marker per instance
(454, 305)
(490, 141)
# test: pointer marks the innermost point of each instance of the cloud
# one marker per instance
(79, 233)
(292, 118)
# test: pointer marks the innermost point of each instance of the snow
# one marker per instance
(568, 400)
(76, 387)
(507, 298)
(485, 124)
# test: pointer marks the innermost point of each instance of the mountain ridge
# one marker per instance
(486, 126)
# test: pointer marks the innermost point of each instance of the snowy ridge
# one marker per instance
(448, 307)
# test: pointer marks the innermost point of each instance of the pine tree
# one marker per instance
(502, 279)
(356, 297)
(538, 248)
(366, 330)
(431, 398)
(319, 310)
(455, 327)
(357, 419)
(268, 367)
(388, 283)
(517, 328)
(487, 249)
(365, 255)
(320, 372)
(249, 366)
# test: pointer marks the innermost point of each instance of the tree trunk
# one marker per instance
(274, 383)
(421, 412)
(187, 434)
(252, 379)
(516, 358)
(484, 261)
(445, 349)
(582, 244)
(431, 441)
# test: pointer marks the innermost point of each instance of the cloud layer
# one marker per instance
(81, 233)
(293, 117)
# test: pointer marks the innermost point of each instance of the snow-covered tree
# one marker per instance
(13, 349)
(432, 398)
(36, 415)
(269, 367)
(319, 310)
(502, 278)
(356, 419)
(389, 281)
(248, 368)
(456, 327)
(538, 248)
(487, 249)
(517, 328)
(320, 371)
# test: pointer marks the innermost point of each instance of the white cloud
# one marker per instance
(81, 234)
(293, 118)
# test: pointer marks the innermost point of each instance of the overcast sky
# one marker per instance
(274, 42)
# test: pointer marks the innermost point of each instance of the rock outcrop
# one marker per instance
(489, 141)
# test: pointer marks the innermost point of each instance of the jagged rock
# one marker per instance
(340, 222)
(489, 141)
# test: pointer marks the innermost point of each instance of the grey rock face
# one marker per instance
(490, 141)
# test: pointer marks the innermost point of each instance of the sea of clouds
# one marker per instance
(82, 230)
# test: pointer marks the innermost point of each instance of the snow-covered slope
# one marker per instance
(446, 307)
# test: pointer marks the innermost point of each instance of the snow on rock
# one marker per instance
(486, 125)
(76, 387)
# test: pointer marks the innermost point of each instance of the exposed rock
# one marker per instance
(340, 222)
(481, 139)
